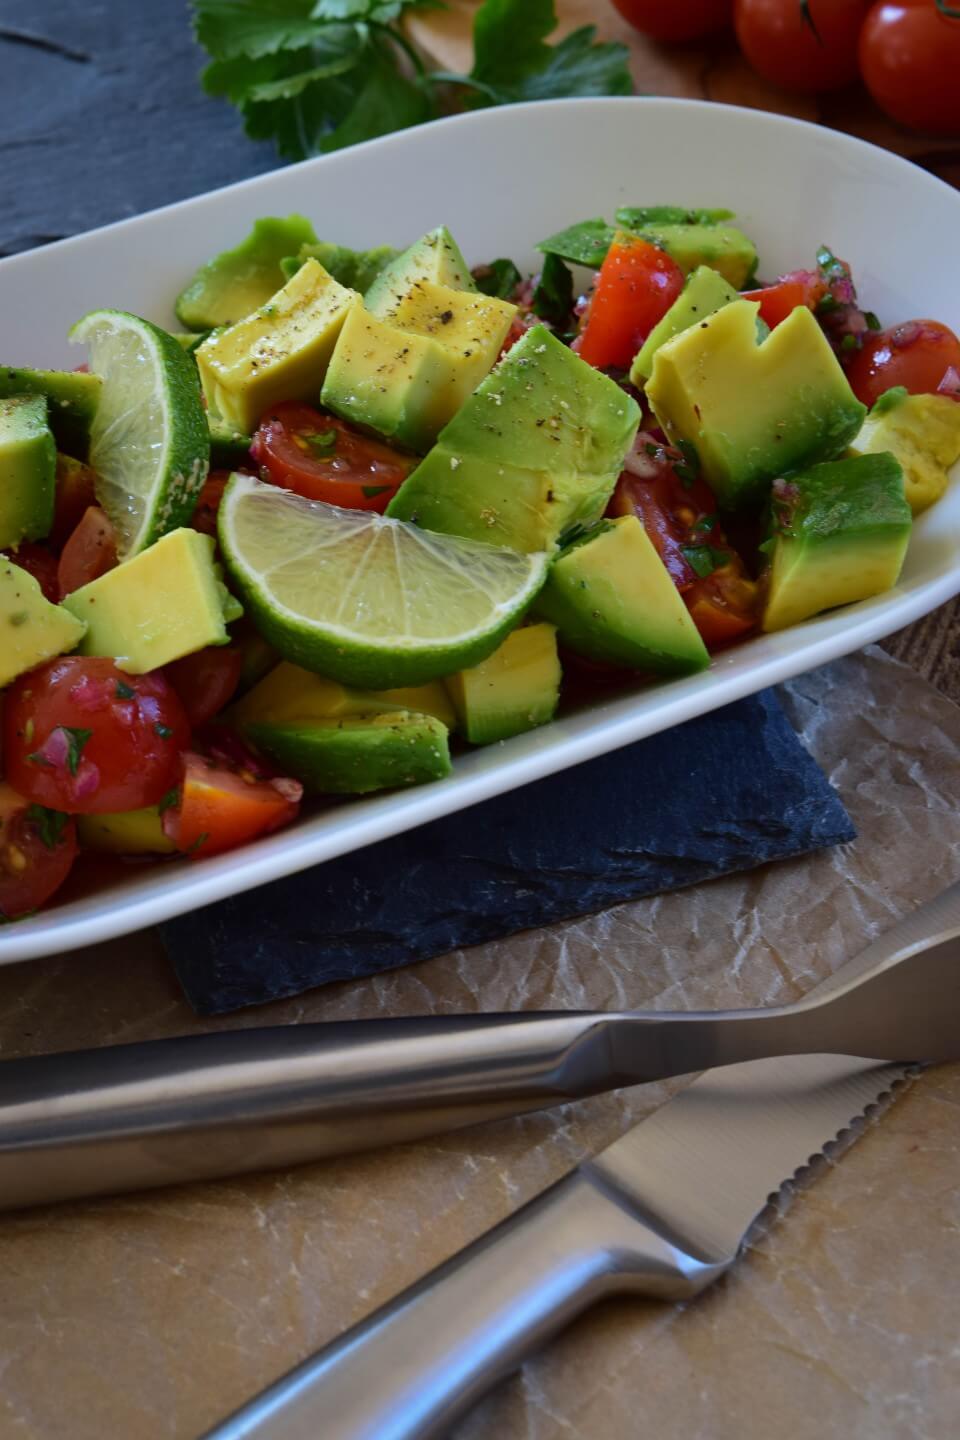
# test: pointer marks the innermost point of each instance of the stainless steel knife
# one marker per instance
(662, 1212)
(128, 1117)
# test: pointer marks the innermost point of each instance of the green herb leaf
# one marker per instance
(689, 469)
(322, 444)
(253, 28)
(553, 295)
(315, 75)
(585, 243)
(167, 801)
(499, 278)
(371, 490)
(124, 691)
(704, 559)
(163, 731)
(50, 824)
(76, 739)
(873, 321)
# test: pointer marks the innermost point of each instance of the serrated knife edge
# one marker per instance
(703, 1166)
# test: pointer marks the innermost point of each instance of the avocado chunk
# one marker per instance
(289, 693)
(535, 449)
(132, 832)
(72, 396)
(357, 753)
(165, 602)
(229, 447)
(236, 282)
(405, 377)
(356, 269)
(923, 432)
(280, 352)
(840, 532)
(28, 470)
(723, 248)
(32, 630)
(612, 599)
(436, 257)
(753, 410)
(704, 294)
(515, 689)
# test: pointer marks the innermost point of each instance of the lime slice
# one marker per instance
(366, 600)
(149, 442)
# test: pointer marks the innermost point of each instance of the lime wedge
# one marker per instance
(149, 442)
(365, 600)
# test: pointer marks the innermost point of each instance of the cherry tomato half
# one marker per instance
(206, 681)
(89, 553)
(675, 20)
(222, 806)
(635, 288)
(37, 849)
(75, 491)
(910, 61)
(207, 508)
(80, 735)
(812, 47)
(679, 513)
(800, 287)
(325, 459)
(916, 355)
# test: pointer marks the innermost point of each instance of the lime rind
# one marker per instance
(150, 441)
(366, 600)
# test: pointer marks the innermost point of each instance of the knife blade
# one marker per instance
(662, 1212)
(128, 1117)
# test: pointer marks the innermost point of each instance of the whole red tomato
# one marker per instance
(810, 46)
(910, 61)
(673, 20)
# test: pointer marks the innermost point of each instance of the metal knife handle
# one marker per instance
(131, 1117)
(415, 1365)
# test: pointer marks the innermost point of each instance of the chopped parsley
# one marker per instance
(124, 691)
(164, 731)
(49, 824)
(704, 559)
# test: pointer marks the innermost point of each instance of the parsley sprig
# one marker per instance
(316, 75)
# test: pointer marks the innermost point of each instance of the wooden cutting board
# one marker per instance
(716, 70)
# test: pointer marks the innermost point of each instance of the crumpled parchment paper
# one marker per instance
(153, 1316)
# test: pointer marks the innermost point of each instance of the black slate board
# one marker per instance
(728, 791)
(102, 116)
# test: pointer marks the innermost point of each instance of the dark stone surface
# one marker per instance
(102, 117)
(722, 793)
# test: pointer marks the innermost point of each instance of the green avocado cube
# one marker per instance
(840, 533)
(753, 411)
(723, 248)
(28, 469)
(612, 599)
(923, 432)
(357, 754)
(236, 282)
(535, 449)
(280, 352)
(405, 377)
(164, 603)
(435, 257)
(356, 269)
(72, 400)
(32, 630)
(704, 294)
(515, 689)
(229, 447)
